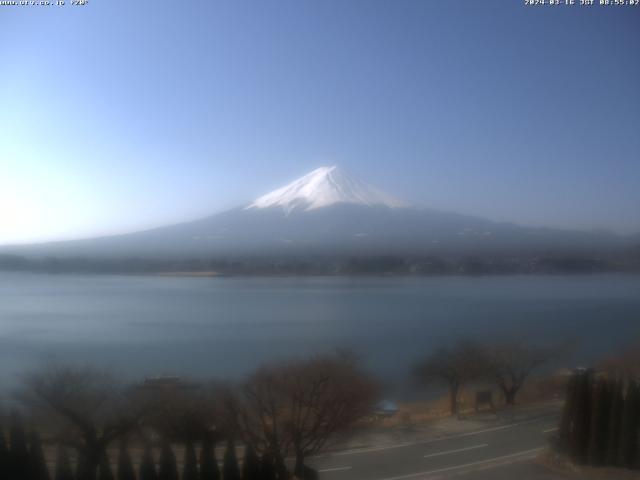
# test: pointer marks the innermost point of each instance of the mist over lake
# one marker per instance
(224, 327)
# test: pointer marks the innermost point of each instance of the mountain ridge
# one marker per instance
(328, 212)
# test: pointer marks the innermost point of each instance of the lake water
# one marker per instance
(226, 326)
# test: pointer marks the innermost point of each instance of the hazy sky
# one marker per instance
(121, 115)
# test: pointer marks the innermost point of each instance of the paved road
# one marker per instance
(500, 451)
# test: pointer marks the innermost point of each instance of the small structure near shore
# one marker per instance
(386, 409)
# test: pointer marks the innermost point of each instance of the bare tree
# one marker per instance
(299, 407)
(86, 408)
(452, 366)
(328, 395)
(625, 364)
(186, 414)
(510, 363)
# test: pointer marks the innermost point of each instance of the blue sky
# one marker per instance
(123, 115)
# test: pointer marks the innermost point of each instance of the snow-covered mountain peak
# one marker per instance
(322, 187)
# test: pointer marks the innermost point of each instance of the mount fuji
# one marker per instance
(323, 187)
(328, 212)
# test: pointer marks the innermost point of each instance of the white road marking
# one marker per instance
(334, 469)
(367, 450)
(466, 465)
(549, 430)
(456, 450)
(426, 442)
(487, 430)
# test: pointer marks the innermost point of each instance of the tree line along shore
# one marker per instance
(479, 264)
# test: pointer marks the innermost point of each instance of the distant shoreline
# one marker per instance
(187, 274)
(389, 275)
(338, 265)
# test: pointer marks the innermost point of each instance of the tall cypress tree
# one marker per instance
(125, 466)
(208, 463)
(267, 467)
(82, 468)
(281, 471)
(37, 464)
(627, 452)
(635, 463)
(147, 465)
(615, 421)
(567, 420)
(580, 440)
(104, 470)
(18, 452)
(251, 464)
(599, 418)
(168, 467)
(4, 456)
(230, 469)
(190, 467)
(63, 465)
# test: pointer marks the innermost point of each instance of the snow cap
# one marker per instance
(323, 187)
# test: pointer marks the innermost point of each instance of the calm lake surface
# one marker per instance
(226, 326)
